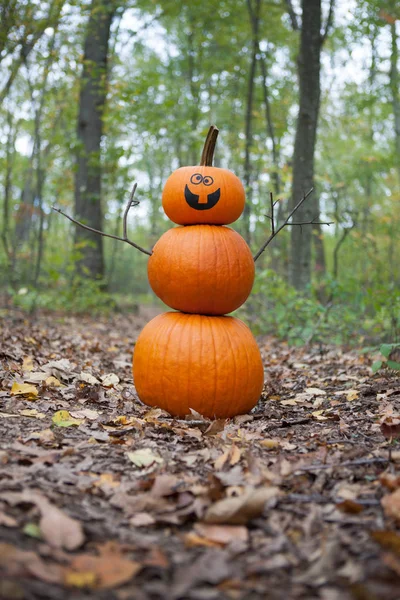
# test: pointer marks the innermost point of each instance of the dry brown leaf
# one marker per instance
(142, 519)
(231, 456)
(222, 534)
(6, 520)
(391, 505)
(390, 481)
(240, 510)
(215, 427)
(390, 540)
(350, 506)
(164, 485)
(392, 562)
(15, 562)
(110, 569)
(58, 529)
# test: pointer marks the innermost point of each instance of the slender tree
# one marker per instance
(309, 66)
(93, 92)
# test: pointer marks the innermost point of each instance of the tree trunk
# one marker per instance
(92, 100)
(309, 61)
(394, 87)
(255, 20)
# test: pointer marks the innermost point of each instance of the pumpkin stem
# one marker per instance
(209, 147)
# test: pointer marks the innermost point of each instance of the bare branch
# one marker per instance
(329, 21)
(286, 223)
(271, 199)
(131, 202)
(292, 15)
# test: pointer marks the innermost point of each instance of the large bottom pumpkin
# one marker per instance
(210, 364)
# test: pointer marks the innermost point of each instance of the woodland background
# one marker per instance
(96, 95)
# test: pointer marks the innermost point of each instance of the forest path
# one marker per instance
(112, 500)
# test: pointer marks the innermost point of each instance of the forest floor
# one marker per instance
(112, 500)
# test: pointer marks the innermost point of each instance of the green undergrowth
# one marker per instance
(329, 313)
(83, 296)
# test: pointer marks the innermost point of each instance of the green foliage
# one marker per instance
(80, 296)
(346, 316)
(390, 352)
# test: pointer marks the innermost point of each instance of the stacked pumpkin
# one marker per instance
(198, 358)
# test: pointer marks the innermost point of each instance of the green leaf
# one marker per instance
(386, 349)
(32, 530)
(393, 365)
(376, 365)
(62, 418)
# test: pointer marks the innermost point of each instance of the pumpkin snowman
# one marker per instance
(199, 358)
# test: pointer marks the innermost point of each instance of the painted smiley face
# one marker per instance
(201, 201)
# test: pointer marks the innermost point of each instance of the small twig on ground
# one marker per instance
(131, 203)
(346, 463)
(274, 231)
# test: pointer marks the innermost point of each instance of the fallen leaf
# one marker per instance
(62, 418)
(241, 509)
(110, 569)
(390, 540)
(32, 413)
(60, 530)
(222, 534)
(350, 507)
(352, 395)
(88, 378)
(231, 456)
(32, 530)
(164, 485)
(57, 528)
(389, 480)
(270, 444)
(391, 505)
(53, 382)
(142, 519)
(85, 413)
(315, 391)
(4, 415)
(24, 389)
(215, 427)
(110, 380)
(15, 562)
(46, 436)
(7, 520)
(27, 363)
(144, 457)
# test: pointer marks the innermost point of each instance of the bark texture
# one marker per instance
(90, 130)
(309, 62)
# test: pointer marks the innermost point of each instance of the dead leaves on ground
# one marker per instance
(108, 569)
(286, 497)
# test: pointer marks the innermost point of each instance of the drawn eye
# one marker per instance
(208, 180)
(196, 179)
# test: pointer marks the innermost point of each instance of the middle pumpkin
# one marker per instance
(203, 269)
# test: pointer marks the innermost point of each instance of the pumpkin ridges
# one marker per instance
(200, 342)
(211, 269)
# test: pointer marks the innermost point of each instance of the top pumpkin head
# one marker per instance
(203, 194)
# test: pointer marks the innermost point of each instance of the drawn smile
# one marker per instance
(193, 199)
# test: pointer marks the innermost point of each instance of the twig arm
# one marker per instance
(131, 202)
(274, 231)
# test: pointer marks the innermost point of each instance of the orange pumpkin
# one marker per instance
(203, 194)
(202, 269)
(210, 364)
